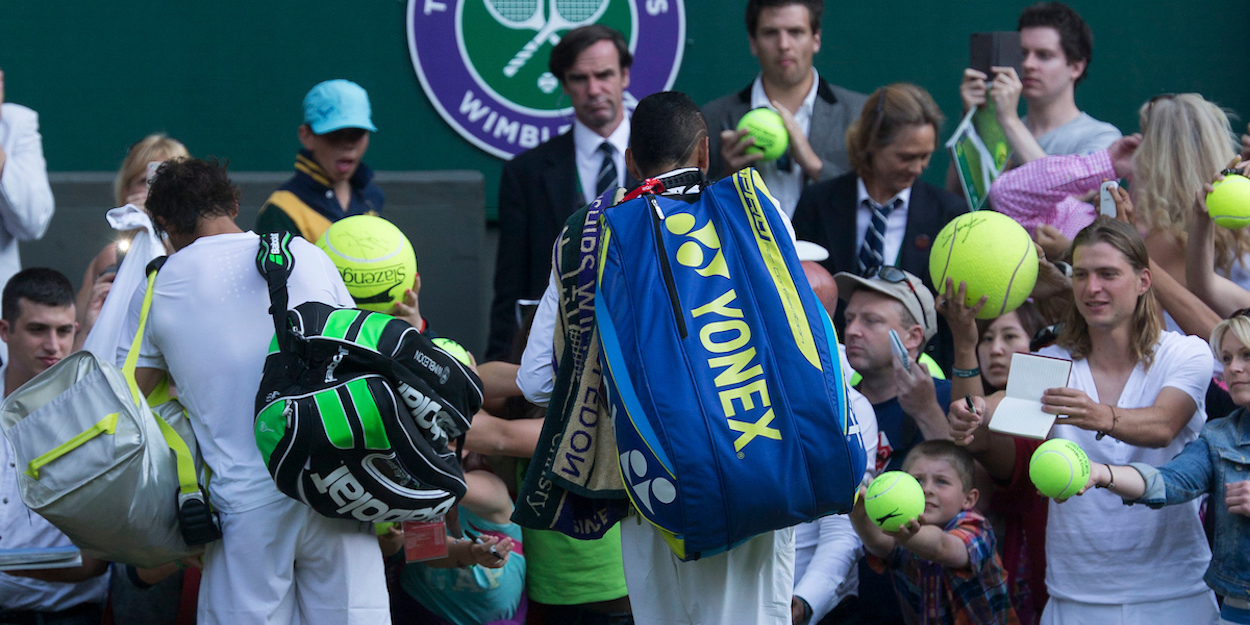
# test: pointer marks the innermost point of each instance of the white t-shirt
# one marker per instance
(210, 328)
(1099, 550)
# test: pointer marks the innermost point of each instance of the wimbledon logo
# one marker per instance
(483, 63)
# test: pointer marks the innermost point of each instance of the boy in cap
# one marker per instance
(331, 181)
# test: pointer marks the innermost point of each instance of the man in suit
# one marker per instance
(785, 36)
(542, 187)
(882, 213)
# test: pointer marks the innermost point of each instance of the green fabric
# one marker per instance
(273, 219)
(566, 571)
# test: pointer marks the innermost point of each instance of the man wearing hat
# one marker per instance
(331, 181)
(910, 404)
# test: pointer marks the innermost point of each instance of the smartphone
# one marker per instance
(996, 49)
(1106, 203)
(896, 346)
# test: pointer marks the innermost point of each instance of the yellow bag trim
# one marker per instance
(182, 453)
(311, 224)
(107, 425)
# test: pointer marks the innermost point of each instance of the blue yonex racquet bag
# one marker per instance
(721, 369)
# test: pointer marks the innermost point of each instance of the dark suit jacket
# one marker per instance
(826, 214)
(537, 193)
(834, 110)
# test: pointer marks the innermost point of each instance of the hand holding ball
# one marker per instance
(992, 254)
(375, 259)
(769, 132)
(1228, 203)
(1059, 468)
(893, 499)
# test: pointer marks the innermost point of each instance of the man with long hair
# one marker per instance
(1135, 394)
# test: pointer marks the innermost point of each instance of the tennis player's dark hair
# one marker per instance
(665, 130)
(185, 190)
(38, 285)
(574, 42)
(815, 9)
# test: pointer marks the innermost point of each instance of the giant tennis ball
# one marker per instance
(1229, 202)
(1059, 468)
(769, 132)
(992, 254)
(893, 499)
(375, 259)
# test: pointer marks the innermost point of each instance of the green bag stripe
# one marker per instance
(334, 419)
(371, 331)
(274, 426)
(273, 345)
(369, 414)
(338, 323)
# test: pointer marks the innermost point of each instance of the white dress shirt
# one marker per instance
(895, 222)
(586, 144)
(22, 529)
(827, 550)
(786, 186)
(25, 196)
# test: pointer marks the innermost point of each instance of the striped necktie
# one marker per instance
(872, 252)
(607, 171)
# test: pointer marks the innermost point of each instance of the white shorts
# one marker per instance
(283, 563)
(1199, 609)
(751, 583)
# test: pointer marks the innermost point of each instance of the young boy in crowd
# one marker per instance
(943, 562)
(331, 180)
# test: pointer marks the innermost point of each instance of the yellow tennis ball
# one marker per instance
(1229, 202)
(1059, 468)
(992, 254)
(769, 132)
(375, 259)
(893, 499)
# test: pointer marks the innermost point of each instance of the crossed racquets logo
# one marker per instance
(562, 15)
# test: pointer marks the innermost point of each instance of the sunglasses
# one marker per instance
(1243, 312)
(894, 275)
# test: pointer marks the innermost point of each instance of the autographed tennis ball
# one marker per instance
(992, 254)
(769, 132)
(375, 259)
(1229, 202)
(893, 499)
(1059, 468)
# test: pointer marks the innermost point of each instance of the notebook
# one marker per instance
(1020, 412)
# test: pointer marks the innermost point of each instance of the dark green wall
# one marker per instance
(227, 77)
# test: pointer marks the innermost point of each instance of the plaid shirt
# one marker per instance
(1044, 191)
(931, 595)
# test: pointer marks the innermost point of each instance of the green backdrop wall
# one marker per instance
(227, 77)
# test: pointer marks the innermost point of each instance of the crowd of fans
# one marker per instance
(1150, 306)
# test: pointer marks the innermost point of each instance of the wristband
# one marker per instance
(965, 373)
(1114, 419)
(1110, 478)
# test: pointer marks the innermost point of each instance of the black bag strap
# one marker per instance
(275, 261)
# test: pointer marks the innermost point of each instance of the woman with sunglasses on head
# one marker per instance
(1216, 464)
(1135, 393)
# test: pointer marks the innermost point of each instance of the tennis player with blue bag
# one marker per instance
(721, 369)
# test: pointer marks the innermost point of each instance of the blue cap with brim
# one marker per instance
(337, 104)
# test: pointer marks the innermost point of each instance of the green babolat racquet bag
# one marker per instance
(356, 408)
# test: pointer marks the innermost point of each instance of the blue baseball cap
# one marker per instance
(337, 104)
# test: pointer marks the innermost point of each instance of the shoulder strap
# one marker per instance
(187, 485)
(275, 261)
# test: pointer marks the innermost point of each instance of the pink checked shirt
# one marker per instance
(1041, 192)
